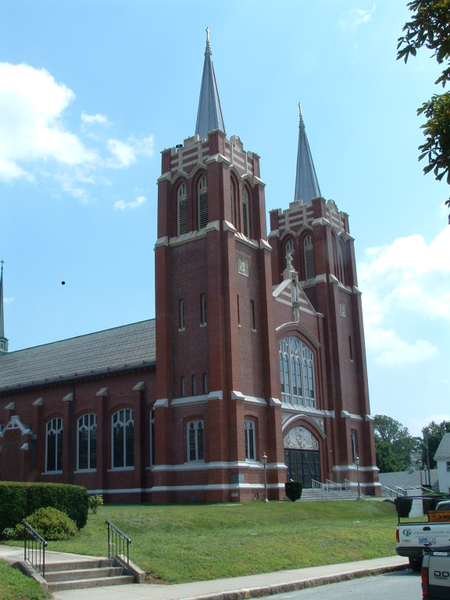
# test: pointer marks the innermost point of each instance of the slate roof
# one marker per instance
(109, 350)
(443, 451)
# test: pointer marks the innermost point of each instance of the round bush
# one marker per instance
(50, 523)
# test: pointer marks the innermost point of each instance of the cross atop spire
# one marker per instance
(209, 115)
(306, 184)
(3, 340)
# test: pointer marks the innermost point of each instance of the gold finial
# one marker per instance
(300, 109)
(207, 35)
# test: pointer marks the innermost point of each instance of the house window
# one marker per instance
(205, 383)
(250, 444)
(123, 438)
(448, 465)
(195, 440)
(194, 385)
(152, 436)
(202, 309)
(182, 209)
(297, 373)
(245, 212)
(252, 315)
(202, 203)
(308, 251)
(181, 315)
(54, 442)
(289, 250)
(87, 442)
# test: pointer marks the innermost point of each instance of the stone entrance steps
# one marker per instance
(315, 494)
(85, 574)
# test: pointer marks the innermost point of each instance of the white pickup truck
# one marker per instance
(436, 575)
(413, 537)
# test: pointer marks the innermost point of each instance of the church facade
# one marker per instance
(253, 368)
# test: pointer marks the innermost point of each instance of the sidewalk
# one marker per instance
(235, 588)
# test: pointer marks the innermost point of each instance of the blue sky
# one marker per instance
(92, 91)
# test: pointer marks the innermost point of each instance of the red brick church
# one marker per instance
(256, 348)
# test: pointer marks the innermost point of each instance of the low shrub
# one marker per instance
(293, 490)
(95, 501)
(50, 523)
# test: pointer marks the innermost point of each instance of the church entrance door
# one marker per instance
(302, 465)
(302, 456)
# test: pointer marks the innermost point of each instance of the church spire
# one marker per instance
(306, 184)
(209, 114)
(3, 340)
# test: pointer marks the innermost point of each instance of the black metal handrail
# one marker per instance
(118, 545)
(34, 548)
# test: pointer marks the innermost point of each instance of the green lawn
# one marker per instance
(16, 586)
(184, 543)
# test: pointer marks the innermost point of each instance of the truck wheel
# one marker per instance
(415, 563)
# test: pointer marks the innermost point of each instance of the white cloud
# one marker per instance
(94, 119)
(125, 153)
(123, 205)
(36, 143)
(405, 280)
(6, 300)
(31, 106)
(355, 17)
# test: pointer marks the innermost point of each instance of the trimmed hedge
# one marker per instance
(19, 500)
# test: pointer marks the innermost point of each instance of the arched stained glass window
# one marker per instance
(123, 438)
(245, 213)
(87, 442)
(297, 373)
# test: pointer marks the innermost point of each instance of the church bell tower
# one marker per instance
(216, 413)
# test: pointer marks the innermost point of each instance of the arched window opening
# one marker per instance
(123, 438)
(54, 442)
(202, 203)
(245, 213)
(233, 202)
(195, 440)
(341, 269)
(308, 252)
(250, 441)
(289, 251)
(297, 373)
(182, 209)
(87, 442)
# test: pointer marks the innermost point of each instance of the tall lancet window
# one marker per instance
(202, 203)
(245, 213)
(289, 251)
(308, 252)
(297, 373)
(341, 264)
(233, 202)
(182, 209)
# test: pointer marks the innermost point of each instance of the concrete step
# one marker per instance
(74, 574)
(85, 574)
(79, 584)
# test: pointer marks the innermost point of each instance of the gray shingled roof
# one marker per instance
(443, 451)
(121, 347)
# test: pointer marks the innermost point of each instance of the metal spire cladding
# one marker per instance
(306, 184)
(209, 114)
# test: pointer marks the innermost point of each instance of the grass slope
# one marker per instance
(14, 585)
(183, 543)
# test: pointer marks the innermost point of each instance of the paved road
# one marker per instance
(403, 585)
